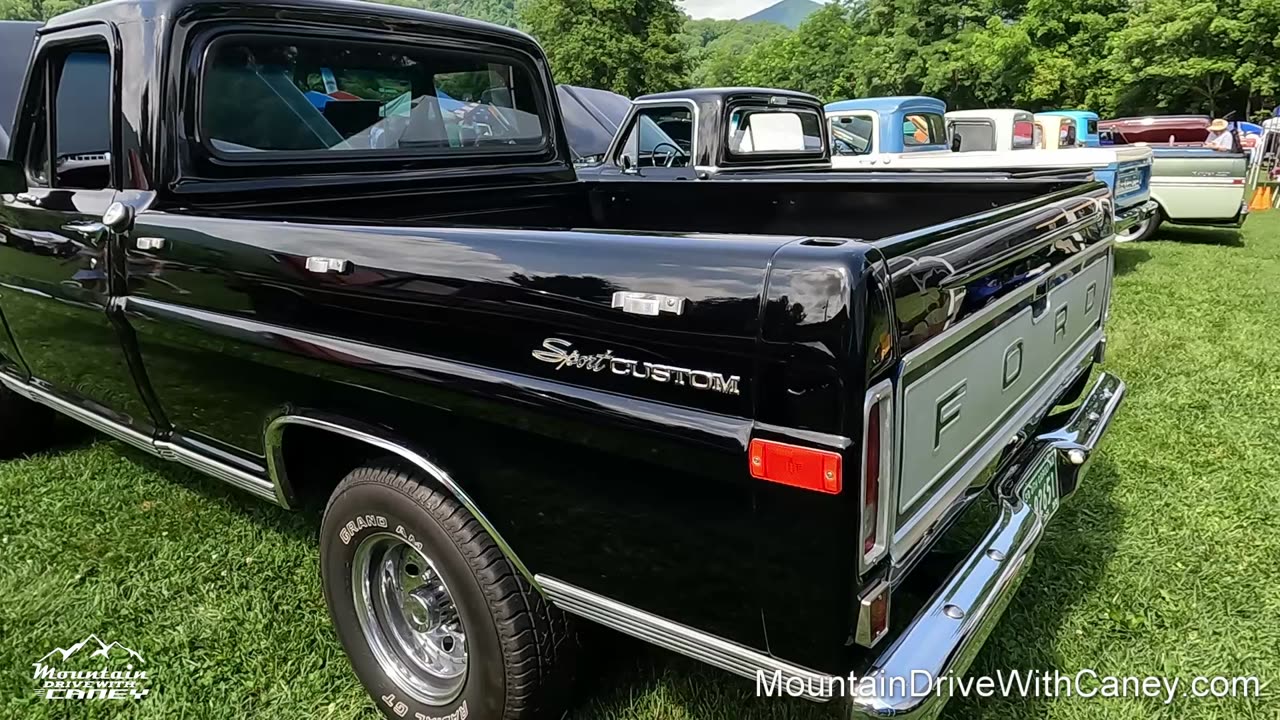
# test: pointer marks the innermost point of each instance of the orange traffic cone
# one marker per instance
(1259, 201)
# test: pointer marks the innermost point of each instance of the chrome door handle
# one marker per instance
(29, 199)
(327, 265)
(149, 243)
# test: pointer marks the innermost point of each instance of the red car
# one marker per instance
(1157, 130)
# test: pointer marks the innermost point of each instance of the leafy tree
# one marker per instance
(719, 63)
(629, 46)
(38, 9)
(1177, 55)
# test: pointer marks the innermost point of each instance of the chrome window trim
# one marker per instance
(615, 147)
(888, 431)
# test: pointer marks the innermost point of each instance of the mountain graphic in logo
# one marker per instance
(99, 648)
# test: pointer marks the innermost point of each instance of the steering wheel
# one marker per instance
(671, 156)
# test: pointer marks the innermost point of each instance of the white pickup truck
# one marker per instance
(911, 133)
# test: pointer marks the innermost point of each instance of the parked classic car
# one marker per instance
(1127, 171)
(1191, 185)
(1156, 130)
(519, 395)
(1086, 124)
(591, 119)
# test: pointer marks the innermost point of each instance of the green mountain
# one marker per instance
(787, 12)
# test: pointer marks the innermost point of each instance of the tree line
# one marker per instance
(1118, 57)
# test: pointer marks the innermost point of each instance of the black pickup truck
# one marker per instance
(337, 254)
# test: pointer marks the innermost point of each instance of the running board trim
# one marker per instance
(258, 486)
(715, 651)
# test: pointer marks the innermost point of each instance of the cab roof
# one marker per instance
(1077, 114)
(124, 10)
(996, 113)
(890, 105)
(701, 95)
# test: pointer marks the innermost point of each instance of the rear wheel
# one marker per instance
(1144, 230)
(435, 620)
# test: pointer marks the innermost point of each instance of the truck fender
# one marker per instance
(380, 439)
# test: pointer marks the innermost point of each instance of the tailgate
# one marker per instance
(994, 319)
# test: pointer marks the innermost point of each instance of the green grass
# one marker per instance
(1166, 563)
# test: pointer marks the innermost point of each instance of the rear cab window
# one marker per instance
(974, 135)
(317, 97)
(753, 132)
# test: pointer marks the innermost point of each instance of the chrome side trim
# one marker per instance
(370, 436)
(716, 651)
(253, 484)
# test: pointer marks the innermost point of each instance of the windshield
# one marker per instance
(660, 137)
(852, 134)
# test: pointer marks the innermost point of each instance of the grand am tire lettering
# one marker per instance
(408, 537)
(361, 522)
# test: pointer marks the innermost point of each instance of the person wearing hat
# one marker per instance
(1219, 139)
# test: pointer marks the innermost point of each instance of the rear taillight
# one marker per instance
(871, 483)
(877, 452)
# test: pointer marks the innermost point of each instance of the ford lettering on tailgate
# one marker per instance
(955, 407)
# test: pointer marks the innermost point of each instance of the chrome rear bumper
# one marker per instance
(1134, 215)
(946, 635)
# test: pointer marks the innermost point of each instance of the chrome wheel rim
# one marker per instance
(409, 619)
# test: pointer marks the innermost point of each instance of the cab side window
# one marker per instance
(79, 81)
(659, 137)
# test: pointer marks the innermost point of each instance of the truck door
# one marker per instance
(54, 276)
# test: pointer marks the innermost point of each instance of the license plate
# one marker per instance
(1041, 490)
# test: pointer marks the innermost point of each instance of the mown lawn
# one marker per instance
(1166, 563)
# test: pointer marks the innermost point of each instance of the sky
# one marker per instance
(725, 8)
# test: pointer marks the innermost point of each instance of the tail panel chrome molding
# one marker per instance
(259, 486)
(682, 639)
